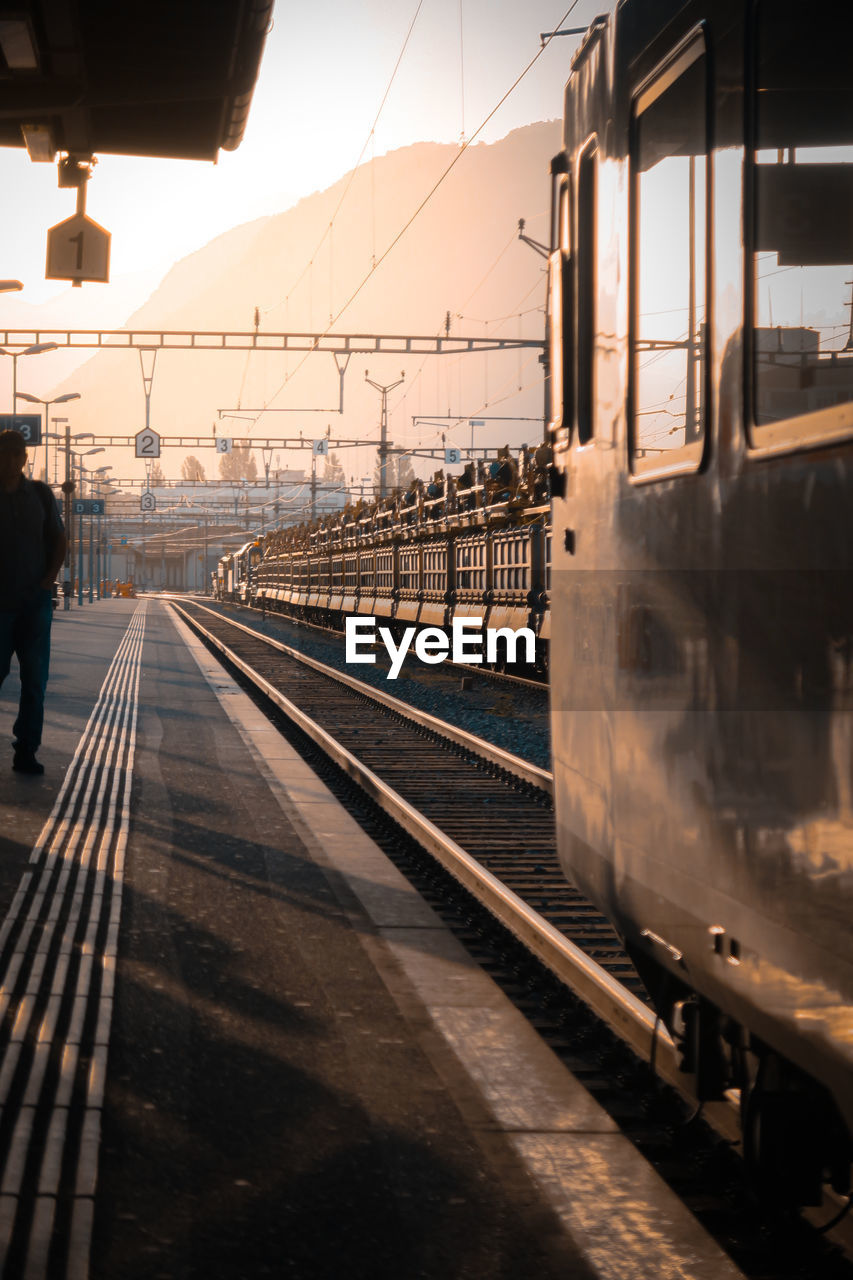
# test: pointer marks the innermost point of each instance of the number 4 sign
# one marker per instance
(78, 249)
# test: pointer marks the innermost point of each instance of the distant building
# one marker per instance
(258, 505)
(794, 376)
(194, 522)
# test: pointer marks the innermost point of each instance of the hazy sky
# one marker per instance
(326, 67)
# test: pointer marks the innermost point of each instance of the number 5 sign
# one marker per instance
(78, 249)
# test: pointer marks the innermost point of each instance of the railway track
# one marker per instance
(486, 815)
(479, 672)
(487, 818)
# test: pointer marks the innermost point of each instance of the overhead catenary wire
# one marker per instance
(416, 380)
(367, 142)
(433, 189)
(457, 363)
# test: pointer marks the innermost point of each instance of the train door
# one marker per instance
(587, 297)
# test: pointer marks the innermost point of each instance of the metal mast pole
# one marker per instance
(91, 554)
(383, 429)
(80, 544)
(67, 490)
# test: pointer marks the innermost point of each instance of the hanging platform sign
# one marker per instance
(78, 249)
(29, 425)
(224, 444)
(147, 443)
(87, 506)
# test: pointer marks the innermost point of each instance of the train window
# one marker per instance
(559, 325)
(585, 274)
(669, 245)
(802, 259)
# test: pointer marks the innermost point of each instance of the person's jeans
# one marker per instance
(26, 632)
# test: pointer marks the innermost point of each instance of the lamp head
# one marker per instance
(38, 347)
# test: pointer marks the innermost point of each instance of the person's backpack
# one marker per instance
(45, 494)
(45, 497)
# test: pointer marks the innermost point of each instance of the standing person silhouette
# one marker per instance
(32, 548)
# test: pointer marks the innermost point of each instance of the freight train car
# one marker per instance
(472, 546)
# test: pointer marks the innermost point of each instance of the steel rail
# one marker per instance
(478, 672)
(632, 1021)
(513, 764)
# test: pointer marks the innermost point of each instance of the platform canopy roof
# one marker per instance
(129, 77)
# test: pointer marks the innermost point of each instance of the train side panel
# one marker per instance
(701, 572)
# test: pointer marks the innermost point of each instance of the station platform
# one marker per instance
(236, 1043)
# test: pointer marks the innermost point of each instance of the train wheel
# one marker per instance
(794, 1140)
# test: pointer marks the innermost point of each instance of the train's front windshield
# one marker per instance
(803, 228)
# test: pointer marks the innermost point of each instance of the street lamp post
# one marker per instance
(57, 436)
(15, 356)
(91, 552)
(80, 540)
(83, 475)
(67, 490)
(78, 460)
(25, 395)
(99, 471)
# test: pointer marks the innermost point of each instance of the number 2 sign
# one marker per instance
(78, 249)
(147, 443)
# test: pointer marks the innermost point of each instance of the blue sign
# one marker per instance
(88, 506)
(29, 425)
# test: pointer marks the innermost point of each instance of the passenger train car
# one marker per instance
(701, 389)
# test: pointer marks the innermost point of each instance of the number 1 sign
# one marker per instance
(78, 249)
